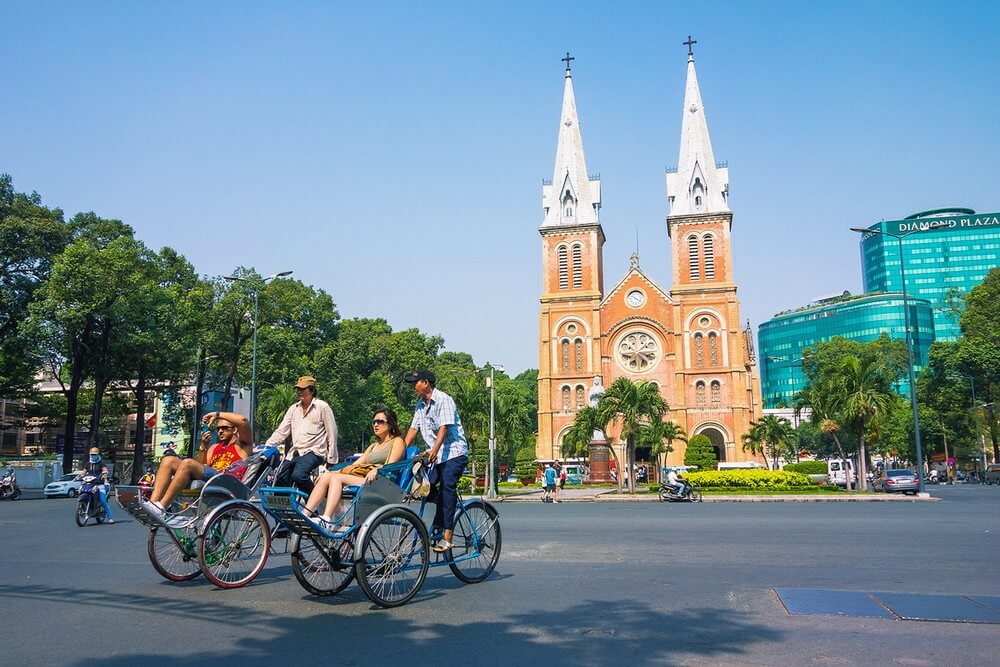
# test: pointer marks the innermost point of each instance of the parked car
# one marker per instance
(839, 470)
(898, 481)
(68, 485)
(992, 475)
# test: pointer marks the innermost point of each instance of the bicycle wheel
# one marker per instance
(664, 496)
(170, 560)
(395, 553)
(233, 548)
(695, 496)
(476, 541)
(314, 572)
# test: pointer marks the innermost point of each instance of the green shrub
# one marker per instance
(464, 484)
(808, 467)
(700, 453)
(749, 479)
(654, 488)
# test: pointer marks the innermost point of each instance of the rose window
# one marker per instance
(637, 352)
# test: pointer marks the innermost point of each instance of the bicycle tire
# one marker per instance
(314, 572)
(233, 548)
(476, 542)
(386, 570)
(169, 559)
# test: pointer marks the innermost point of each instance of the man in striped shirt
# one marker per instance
(437, 421)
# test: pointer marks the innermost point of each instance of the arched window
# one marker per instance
(579, 354)
(563, 268)
(709, 251)
(693, 257)
(565, 399)
(579, 397)
(565, 356)
(699, 350)
(699, 393)
(697, 201)
(577, 266)
(716, 392)
(713, 349)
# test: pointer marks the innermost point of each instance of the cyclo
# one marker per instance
(381, 541)
(221, 532)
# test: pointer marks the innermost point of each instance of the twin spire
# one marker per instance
(698, 185)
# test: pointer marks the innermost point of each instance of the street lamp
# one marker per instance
(491, 491)
(256, 285)
(909, 347)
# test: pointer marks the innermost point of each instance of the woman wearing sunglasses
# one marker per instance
(387, 448)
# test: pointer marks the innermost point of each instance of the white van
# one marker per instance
(740, 465)
(576, 473)
(837, 471)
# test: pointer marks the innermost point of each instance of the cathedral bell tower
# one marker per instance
(572, 282)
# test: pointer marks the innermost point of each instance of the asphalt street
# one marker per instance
(581, 583)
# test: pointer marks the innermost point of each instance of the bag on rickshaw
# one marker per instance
(420, 487)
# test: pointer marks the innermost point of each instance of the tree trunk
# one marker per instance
(862, 461)
(100, 384)
(198, 390)
(947, 468)
(72, 398)
(843, 460)
(140, 427)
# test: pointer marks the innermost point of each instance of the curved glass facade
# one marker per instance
(783, 338)
(945, 257)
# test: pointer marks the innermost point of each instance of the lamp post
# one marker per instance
(257, 284)
(909, 348)
(491, 491)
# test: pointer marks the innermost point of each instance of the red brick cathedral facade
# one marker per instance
(688, 339)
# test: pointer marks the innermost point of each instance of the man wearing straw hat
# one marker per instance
(313, 429)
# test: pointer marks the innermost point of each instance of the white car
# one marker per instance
(68, 485)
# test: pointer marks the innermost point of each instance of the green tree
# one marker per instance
(979, 351)
(631, 405)
(659, 436)
(700, 453)
(31, 236)
(866, 400)
(769, 437)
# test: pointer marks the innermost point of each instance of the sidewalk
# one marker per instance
(586, 495)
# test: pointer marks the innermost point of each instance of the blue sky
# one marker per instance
(392, 153)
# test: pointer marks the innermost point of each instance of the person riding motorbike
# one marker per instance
(97, 468)
(676, 480)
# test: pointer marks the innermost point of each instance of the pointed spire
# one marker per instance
(698, 185)
(571, 198)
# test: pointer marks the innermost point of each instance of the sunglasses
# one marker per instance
(377, 422)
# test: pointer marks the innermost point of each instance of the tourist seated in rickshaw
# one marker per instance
(225, 456)
(388, 448)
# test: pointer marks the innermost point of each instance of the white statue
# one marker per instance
(593, 398)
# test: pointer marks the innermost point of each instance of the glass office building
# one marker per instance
(946, 253)
(864, 318)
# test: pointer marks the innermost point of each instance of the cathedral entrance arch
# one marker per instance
(718, 438)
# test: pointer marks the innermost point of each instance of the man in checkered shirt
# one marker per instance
(437, 421)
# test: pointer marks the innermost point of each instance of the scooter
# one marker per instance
(89, 504)
(9, 490)
(690, 494)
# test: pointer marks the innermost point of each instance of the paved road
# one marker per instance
(588, 584)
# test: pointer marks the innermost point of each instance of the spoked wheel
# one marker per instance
(476, 543)
(170, 560)
(82, 514)
(16, 494)
(695, 495)
(315, 573)
(99, 516)
(394, 557)
(234, 546)
(664, 495)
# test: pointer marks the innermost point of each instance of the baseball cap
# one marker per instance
(305, 381)
(420, 375)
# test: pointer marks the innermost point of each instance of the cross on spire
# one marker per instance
(567, 60)
(689, 44)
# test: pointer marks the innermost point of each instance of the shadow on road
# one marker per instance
(587, 633)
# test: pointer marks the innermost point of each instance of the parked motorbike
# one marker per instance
(89, 503)
(690, 494)
(9, 490)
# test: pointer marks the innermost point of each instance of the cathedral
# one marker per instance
(687, 338)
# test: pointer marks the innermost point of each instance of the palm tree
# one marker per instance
(473, 404)
(634, 405)
(273, 404)
(660, 436)
(825, 401)
(769, 435)
(576, 442)
(866, 399)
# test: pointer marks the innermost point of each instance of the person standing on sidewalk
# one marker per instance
(437, 421)
(313, 429)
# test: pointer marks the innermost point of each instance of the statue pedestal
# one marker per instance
(600, 465)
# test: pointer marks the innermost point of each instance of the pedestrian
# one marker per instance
(559, 480)
(313, 430)
(437, 421)
(550, 482)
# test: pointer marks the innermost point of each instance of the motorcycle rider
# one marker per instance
(97, 468)
(675, 480)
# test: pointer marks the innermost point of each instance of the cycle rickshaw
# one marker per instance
(221, 533)
(381, 541)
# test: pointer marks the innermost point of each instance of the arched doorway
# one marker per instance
(718, 442)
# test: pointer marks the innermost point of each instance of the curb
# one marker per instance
(886, 498)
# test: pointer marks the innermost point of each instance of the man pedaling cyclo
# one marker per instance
(176, 474)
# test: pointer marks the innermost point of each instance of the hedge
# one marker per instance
(748, 479)
(808, 467)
